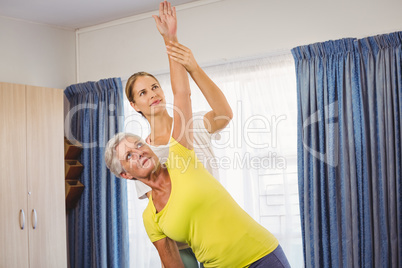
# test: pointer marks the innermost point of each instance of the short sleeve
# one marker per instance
(203, 144)
(152, 228)
(200, 132)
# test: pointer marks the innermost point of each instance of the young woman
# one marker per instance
(147, 97)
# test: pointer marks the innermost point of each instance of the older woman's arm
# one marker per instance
(169, 253)
(166, 23)
(221, 113)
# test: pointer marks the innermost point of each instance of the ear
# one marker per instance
(126, 176)
(134, 106)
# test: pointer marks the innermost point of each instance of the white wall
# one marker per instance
(231, 29)
(36, 54)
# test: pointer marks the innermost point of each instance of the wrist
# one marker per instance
(170, 38)
(194, 71)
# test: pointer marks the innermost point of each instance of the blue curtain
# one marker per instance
(349, 151)
(98, 226)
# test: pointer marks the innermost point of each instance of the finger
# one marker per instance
(174, 12)
(161, 9)
(177, 60)
(176, 51)
(165, 10)
(157, 19)
(169, 8)
(180, 46)
(176, 55)
(177, 44)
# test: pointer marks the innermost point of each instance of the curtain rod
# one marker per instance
(281, 52)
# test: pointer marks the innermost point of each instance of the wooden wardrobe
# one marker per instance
(32, 205)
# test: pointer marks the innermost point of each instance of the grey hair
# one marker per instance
(111, 158)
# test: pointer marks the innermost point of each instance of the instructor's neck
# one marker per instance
(161, 127)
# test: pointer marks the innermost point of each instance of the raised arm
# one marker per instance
(221, 112)
(166, 23)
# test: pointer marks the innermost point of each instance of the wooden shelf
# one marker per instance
(74, 190)
(73, 169)
(71, 151)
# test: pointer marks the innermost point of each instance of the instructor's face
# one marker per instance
(148, 96)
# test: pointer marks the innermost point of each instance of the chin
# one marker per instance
(158, 108)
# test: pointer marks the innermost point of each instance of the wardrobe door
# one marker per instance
(13, 183)
(45, 166)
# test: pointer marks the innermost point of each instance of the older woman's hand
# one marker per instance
(166, 22)
(182, 55)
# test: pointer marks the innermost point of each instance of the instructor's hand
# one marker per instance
(182, 55)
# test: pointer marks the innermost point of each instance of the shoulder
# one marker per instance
(152, 228)
(147, 213)
(176, 148)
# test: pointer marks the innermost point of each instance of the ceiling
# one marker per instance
(75, 14)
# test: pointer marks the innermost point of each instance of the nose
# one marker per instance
(137, 154)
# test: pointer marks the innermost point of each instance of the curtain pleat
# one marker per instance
(349, 151)
(98, 226)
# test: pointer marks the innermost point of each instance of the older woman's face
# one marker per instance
(148, 96)
(137, 159)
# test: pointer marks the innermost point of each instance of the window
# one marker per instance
(255, 153)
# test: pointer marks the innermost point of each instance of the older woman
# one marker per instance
(188, 205)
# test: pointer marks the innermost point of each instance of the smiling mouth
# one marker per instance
(144, 161)
(156, 102)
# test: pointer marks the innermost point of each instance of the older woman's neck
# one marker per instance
(160, 179)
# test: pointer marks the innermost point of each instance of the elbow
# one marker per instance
(223, 120)
(230, 114)
(227, 116)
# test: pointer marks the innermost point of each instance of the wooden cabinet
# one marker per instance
(32, 205)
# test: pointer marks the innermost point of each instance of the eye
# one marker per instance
(142, 93)
(140, 144)
(154, 87)
(128, 157)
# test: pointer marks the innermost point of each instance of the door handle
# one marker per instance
(22, 219)
(35, 221)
